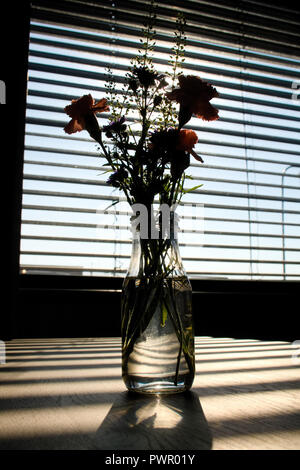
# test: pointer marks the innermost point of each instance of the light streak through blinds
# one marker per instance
(244, 222)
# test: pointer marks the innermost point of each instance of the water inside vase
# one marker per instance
(157, 363)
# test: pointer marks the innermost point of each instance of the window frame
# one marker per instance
(28, 294)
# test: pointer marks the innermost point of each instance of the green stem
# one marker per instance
(180, 341)
(143, 320)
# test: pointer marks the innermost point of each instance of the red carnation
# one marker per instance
(81, 109)
(194, 96)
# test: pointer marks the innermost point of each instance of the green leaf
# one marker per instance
(103, 172)
(192, 189)
(113, 204)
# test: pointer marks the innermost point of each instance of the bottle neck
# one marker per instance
(157, 255)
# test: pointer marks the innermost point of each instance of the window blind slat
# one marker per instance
(207, 178)
(128, 242)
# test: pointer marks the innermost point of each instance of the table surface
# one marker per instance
(68, 394)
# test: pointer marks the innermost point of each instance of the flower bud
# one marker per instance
(157, 100)
(133, 85)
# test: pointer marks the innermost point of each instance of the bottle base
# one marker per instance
(158, 387)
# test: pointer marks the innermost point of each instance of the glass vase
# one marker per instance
(156, 316)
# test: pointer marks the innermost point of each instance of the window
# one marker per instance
(244, 222)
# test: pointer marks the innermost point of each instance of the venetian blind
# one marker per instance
(244, 222)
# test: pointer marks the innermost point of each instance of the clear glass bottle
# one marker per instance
(157, 322)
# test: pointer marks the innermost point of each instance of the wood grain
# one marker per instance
(68, 394)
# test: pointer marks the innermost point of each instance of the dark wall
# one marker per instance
(13, 71)
(77, 307)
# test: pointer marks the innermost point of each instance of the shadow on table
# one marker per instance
(142, 422)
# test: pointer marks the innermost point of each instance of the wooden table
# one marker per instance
(68, 394)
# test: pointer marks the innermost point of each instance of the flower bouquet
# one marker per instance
(147, 155)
